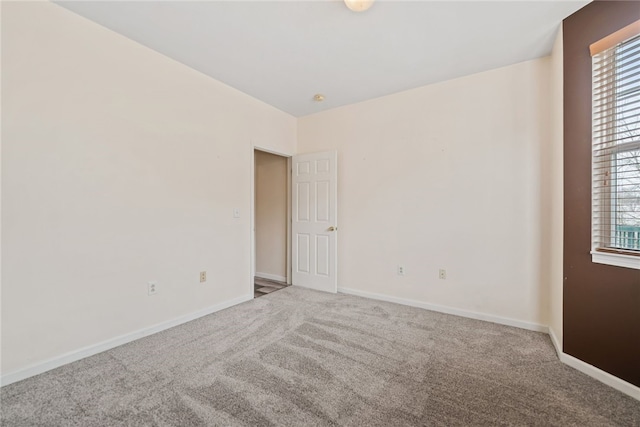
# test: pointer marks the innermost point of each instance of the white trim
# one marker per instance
(271, 277)
(270, 151)
(252, 179)
(556, 344)
(252, 220)
(289, 218)
(602, 376)
(81, 353)
(619, 260)
(598, 374)
(449, 310)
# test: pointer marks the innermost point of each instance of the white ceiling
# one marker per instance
(284, 52)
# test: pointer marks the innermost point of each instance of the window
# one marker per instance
(616, 149)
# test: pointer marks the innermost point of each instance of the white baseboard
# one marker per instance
(75, 355)
(596, 373)
(602, 376)
(556, 344)
(271, 277)
(449, 310)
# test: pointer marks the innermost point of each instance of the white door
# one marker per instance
(314, 221)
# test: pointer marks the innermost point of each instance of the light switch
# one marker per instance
(236, 212)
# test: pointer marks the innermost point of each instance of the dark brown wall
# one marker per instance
(601, 303)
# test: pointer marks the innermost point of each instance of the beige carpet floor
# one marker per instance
(303, 358)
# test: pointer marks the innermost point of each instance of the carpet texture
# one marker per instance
(303, 358)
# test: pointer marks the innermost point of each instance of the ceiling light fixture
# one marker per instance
(358, 5)
(318, 97)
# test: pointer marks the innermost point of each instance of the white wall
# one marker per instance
(554, 172)
(271, 215)
(119, 166)
(444, 176)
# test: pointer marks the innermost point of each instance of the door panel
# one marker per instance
(303, 253)
(314, 222)
(302, 203)
(322, 256)
(323, 204)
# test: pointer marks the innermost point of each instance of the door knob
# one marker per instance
(332, 228)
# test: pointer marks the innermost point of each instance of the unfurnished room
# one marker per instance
(320, 213)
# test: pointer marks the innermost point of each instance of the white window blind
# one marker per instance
(616, 148)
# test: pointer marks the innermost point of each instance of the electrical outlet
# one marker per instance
(400, 270)
(152, 288)
(442, 274)
(203, 276)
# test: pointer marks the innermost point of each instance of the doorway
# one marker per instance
(271, 223)
(310, 226)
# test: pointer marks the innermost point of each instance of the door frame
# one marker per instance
(253, 211)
